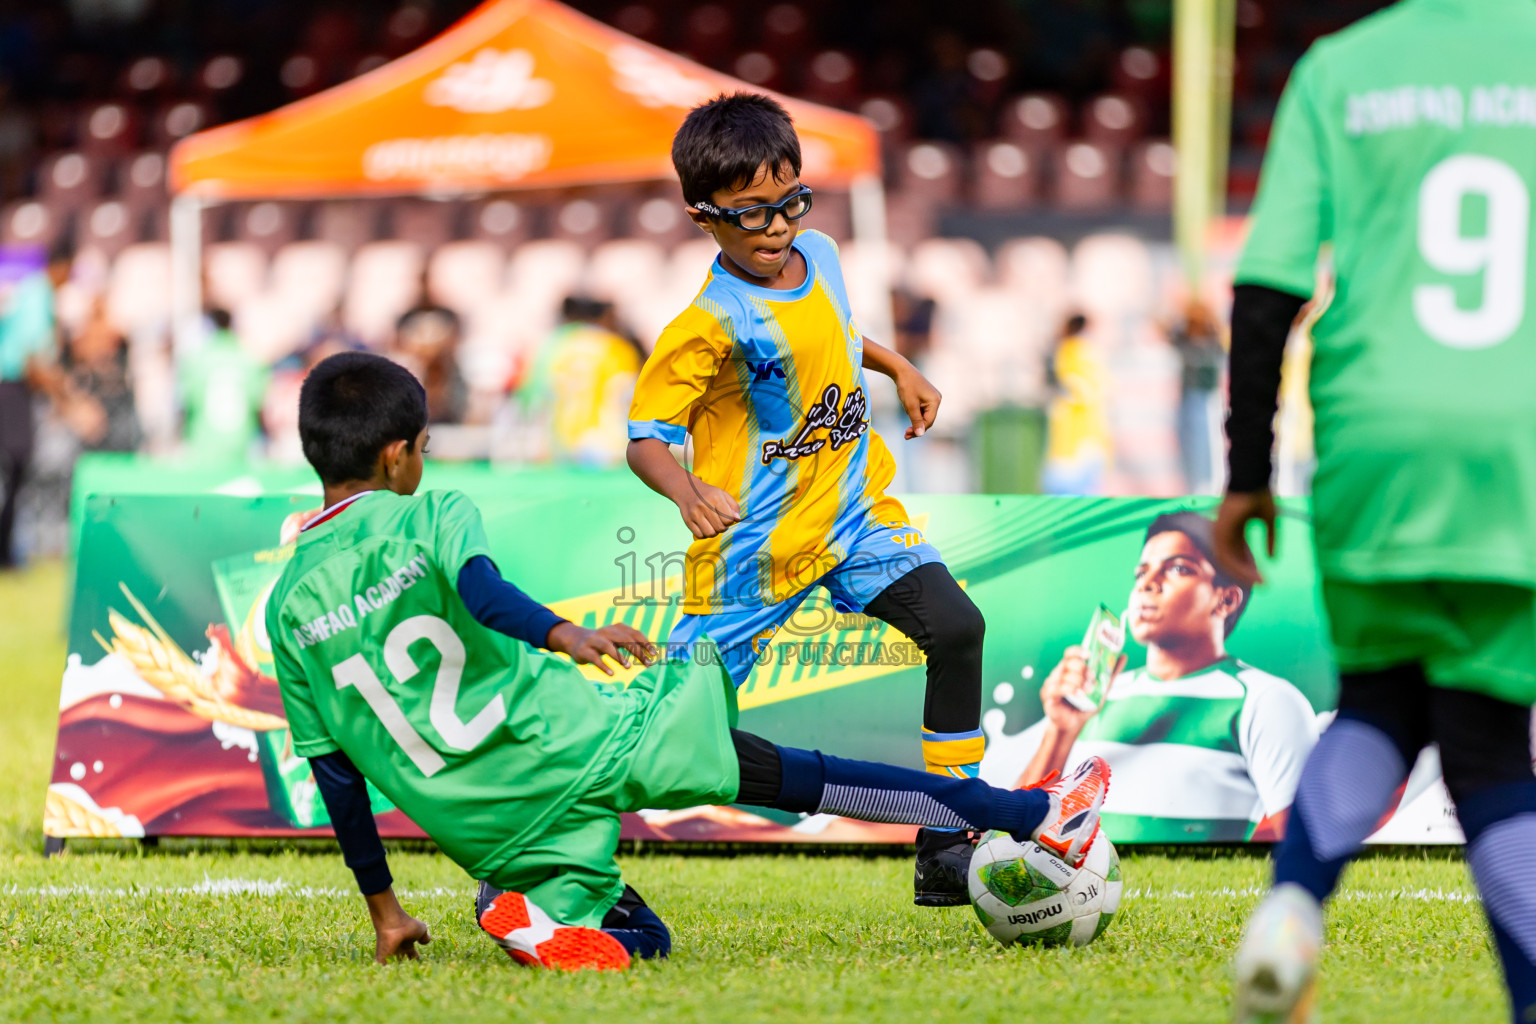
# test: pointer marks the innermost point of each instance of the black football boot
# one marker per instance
(943, 862)
(485, 892)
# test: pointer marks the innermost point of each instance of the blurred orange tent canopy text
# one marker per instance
(519, 94)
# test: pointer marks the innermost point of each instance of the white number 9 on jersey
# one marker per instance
(1499, 253)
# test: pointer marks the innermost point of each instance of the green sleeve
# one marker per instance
(458, 533)
(1291, 217)
(305, 728)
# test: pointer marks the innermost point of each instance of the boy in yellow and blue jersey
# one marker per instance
(765, 369)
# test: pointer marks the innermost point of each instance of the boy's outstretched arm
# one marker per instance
(919, 397)
(345, 793)
(707, 510)
(498, 604)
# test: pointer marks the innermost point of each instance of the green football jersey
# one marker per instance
(479, 739)
(1408, 142)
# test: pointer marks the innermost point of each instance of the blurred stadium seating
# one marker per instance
(1053, 136)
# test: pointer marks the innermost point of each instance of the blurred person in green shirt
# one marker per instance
(27, 340)
(580, 384)
(222, 386)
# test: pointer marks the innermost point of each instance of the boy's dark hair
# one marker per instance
(352, 404)
(583, 308)
(1202, 534)
(722, 144)
(1075, 323)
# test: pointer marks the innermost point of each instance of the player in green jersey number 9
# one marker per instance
(1408, 142)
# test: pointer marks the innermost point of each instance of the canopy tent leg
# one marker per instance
(186, 272)
(866, 199)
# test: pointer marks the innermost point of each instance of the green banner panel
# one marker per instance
(170, 722)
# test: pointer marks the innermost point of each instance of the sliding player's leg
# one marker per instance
(566, 905)
(630, 921)
(894, 575)
(1063, 816)
(547, 906)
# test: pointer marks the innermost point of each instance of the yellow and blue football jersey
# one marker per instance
(770, 384)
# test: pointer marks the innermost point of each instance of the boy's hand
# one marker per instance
(1069, 676)
(920, 398)
(1232, 518)
(707, 510)
(590, 646)
(395, 932)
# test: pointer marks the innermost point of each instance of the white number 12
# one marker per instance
(456, 733)
(1500, 253)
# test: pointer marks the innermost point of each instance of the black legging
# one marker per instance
(928, 605)
(1483, 741)
(762, 774)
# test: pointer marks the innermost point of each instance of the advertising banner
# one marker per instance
(1206, 706)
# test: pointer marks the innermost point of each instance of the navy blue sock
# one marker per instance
(1345, 788)
(643, 933)
(814, 782)
(1500, 824)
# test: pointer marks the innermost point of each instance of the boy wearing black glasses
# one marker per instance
(765, 369)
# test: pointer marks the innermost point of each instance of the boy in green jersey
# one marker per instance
(396, 646)
(1408, 142)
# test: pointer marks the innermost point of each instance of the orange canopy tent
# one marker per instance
(519, 94)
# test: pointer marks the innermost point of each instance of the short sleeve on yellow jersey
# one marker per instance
(688, 355)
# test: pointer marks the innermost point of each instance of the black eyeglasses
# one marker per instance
(756, 218)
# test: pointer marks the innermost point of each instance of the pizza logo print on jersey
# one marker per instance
(843, 423)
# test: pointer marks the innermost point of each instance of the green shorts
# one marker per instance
(1468, 635)
(670, 749)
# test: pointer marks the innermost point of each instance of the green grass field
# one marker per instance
(207, 932)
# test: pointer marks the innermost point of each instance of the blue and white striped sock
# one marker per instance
(1347, 785)
(813, 781)
(1500, 823)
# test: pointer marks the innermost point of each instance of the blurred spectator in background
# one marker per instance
(222, 386)
(1197, 339)
(91, 387)
(944, 98)
(427, 343)
(918, 466)
(280, 408)
(913, 320)
(1079, 445)
(580, 384)
(27, 344)
(16, 138)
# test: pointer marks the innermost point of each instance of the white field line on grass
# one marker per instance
(1363, 895)
(278, 887)
(213, 887)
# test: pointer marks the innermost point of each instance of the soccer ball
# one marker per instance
(1023, 893)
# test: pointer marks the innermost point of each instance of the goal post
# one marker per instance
(1202, 118)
